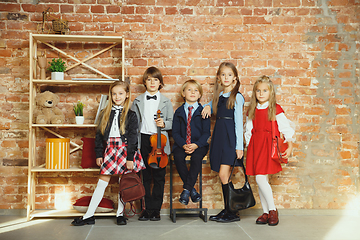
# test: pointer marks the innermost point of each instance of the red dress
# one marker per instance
(258, 158)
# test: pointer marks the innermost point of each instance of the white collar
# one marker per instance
(225, 94)
(262, 106)
(116, 107)
(157, 94)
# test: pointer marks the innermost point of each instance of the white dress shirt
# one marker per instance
(150, 108)
(115, 129)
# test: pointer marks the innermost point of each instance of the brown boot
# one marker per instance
(263, 219)
(273, 218)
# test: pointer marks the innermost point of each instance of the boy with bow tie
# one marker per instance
(146, 106)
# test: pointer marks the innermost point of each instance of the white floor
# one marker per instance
(328, 227)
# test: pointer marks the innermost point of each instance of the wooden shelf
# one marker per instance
(64, 125)
(64, 213)
(71, 169)
(74, 82)
(77, 38)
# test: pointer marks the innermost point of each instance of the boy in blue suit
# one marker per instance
(191, 133)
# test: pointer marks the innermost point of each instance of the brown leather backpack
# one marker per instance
(131, 189)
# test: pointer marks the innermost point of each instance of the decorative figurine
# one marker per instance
(41, 60)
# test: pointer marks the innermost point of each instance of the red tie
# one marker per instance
(188, 128)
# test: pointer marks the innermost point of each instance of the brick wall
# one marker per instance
(309, 48)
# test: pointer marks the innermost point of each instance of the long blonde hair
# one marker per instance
(218, 88)
(105, 114)
(272, 98)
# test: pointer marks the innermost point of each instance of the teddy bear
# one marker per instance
(46, 110)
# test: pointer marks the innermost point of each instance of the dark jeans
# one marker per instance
(154, 198)
(189, 176)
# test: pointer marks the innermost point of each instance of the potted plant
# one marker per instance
(79, 112)
(57, 68)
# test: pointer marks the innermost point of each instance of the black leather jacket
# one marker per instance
(129, 138)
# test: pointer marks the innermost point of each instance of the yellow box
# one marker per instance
(57, 153)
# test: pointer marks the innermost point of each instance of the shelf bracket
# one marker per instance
(92, 56)
(77, 146)
(75, 59)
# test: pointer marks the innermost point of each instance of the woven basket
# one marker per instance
(59, 25)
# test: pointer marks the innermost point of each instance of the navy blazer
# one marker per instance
(200, 128)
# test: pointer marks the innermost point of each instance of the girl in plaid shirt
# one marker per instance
(118, 127)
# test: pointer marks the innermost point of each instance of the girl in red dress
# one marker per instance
(262, 110)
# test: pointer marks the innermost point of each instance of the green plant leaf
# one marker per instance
(57, 65)
(79, 108)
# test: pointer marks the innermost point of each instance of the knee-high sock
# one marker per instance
(263, 202)
(96, 198)
(225, 190)
(120, 210)
(266, 191)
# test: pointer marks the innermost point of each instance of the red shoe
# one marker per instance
(273, 218)
(263, 219)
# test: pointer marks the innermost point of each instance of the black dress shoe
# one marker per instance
(218, 216)
(195, 196)
(144, 216)
(121, 220)
(229, 217)
(184, 197)
(155, 216)
(79, 221)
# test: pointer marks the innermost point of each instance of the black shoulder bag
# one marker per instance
(242, 198)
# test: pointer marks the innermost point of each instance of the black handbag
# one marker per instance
(239, 199)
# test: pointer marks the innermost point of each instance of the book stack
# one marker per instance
(102, 104)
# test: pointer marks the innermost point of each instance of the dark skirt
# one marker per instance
(223, 140)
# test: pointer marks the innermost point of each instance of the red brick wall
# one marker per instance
(309, 48)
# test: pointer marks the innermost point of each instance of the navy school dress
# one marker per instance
(223, 140)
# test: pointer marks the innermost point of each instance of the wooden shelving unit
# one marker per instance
(68, 82)
(66, 213)
(71, 169)
(50, 40)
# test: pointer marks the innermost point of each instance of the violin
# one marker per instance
(157, 157)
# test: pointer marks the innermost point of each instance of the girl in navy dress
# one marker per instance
(262, 110)
(227, 139)
(118, 128)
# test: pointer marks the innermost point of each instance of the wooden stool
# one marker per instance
(184, 212)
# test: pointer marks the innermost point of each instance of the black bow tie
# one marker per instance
(151, 97)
